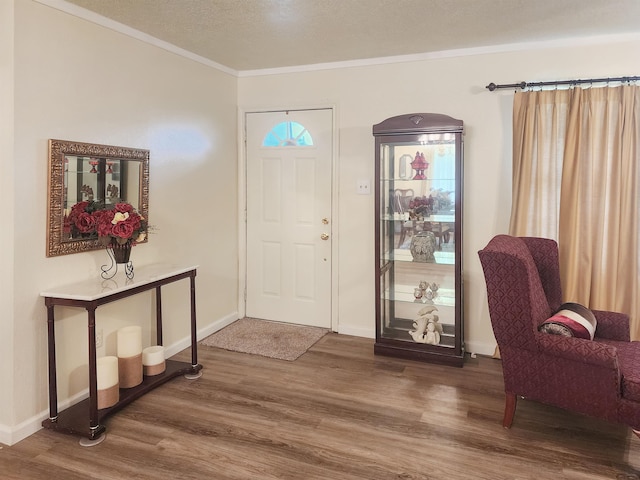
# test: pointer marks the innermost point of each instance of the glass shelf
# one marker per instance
(404, 293)
(404, 255)
(402, 180)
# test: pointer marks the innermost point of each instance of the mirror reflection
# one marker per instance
(102, 182)
(101, 176)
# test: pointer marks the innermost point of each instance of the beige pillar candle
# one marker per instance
(130, 356)
(153, 360)
(129, 341)
(107, 381)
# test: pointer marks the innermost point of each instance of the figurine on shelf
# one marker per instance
(423, 247)
(87, 192)
(427, 327)
(419, 164)
(428, 296)
(426, 292)
(417, 293)
(420, 325)
(112, 191)
(432, 337)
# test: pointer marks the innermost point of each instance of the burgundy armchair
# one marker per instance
(599, 377)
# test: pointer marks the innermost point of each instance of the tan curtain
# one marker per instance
(539, 126)
(587, 191)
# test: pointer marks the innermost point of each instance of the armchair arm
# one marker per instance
(612, 325)
(578, 350)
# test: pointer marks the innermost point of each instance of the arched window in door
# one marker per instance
(288, 134)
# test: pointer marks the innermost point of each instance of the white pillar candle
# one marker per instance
(129, 341)
(107, 380)
(153, 355)
(107, 372)
(153, 360)
(130, 356)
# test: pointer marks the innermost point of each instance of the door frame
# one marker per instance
(242, 204)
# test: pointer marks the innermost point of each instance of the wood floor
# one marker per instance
(340, 413)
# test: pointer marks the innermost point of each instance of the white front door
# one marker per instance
(288, 175)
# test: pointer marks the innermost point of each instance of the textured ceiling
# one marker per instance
(259, 34)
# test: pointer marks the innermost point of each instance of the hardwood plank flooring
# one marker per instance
(338, 412)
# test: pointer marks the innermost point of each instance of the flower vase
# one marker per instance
(423, 246)
(121, 253)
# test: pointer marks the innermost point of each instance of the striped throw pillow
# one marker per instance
(571, 320)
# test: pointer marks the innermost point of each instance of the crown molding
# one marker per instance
(462, 52)
(93, 17)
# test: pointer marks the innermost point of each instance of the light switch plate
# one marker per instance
(363, 187)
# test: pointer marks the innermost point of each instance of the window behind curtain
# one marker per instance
(576, 179)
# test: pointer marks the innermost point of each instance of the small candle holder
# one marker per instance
(417, 293)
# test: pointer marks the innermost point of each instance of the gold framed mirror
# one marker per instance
(100, 174)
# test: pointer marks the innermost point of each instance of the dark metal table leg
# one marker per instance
(53, 381)
(93, 376)
(158, 315)
(195, 368)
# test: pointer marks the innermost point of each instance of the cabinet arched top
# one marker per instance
(418, 122)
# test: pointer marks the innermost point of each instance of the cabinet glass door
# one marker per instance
(418, 233)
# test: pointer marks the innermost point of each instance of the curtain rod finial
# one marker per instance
(492, 86)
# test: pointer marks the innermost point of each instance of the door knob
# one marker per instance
(324, 236)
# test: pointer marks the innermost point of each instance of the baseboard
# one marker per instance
(12, 435)
(357, 331)
(480, 348)
(5, 435)
(202, 333)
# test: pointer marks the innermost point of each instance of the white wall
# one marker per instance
(78, 81)
(366, 95)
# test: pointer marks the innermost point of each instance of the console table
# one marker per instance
(84, 418)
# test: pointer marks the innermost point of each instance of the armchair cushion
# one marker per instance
(599, 354)
(571, 320)
(629, 361)
(613, 326)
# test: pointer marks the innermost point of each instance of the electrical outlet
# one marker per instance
(99, 338)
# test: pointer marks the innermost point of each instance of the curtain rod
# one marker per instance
(492, 86)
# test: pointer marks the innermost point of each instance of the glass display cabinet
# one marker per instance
(418, 197)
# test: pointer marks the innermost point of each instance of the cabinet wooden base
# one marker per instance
(432, 356)
(75, 419)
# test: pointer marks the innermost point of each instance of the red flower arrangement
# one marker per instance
(120, 225)
(80, 221)
(117, 226)
(421, 207)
